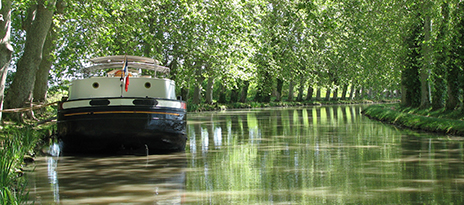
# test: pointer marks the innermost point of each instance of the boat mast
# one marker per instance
(123, 76)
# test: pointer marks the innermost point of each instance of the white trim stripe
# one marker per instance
(120, 102)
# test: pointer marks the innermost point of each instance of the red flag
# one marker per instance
(127, 82)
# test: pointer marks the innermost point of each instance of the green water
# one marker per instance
(313, 155)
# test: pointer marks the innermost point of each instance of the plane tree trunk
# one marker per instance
(41, 78)
(6, 50)
(209, 91)
(309, 95)
(244, 93)
(20, 91)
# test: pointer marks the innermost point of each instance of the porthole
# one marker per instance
(95, 85)
(147, 85)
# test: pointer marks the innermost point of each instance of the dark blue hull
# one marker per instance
(122, 129)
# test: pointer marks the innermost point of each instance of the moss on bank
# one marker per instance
(231, 106)
(439, 121)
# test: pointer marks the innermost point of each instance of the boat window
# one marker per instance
(99, 102)
(95, 85)
(147, 85)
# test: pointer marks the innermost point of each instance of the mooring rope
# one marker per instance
(25, 109)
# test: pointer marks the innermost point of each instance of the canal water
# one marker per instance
(310, 155)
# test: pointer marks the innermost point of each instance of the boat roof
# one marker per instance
(118, 61)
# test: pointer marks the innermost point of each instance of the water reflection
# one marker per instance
(313, 155)
(53, 178)
(318, 155)
(156, 179)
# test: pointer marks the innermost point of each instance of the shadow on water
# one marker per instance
(311, 155)
(103, 180)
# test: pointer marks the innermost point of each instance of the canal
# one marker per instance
(310, 155)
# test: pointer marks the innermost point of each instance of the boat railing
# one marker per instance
(135, 62)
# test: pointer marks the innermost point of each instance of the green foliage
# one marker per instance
(456, 68)
(441, 60)
(16, 144)
(410, 73)
(328, 44)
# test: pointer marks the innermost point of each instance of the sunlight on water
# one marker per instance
(55, 149)
(314, 155)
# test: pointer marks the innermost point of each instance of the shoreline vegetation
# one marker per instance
(18, 147)
(250, 105)
(434, 121)
(387, 111)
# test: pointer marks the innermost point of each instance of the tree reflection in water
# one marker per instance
(318, 155)
(310, 155)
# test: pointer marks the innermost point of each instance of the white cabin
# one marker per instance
(107, 87)
(113, 85)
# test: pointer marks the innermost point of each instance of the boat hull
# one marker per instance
(122, 129)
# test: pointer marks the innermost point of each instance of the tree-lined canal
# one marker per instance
(311, 155)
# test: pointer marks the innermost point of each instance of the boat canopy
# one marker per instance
(118, 61)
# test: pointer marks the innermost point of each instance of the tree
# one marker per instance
(6, 49)
(441, 60)
(40, 15)
(456, 58)
(411, 67)
(39, 93)
(426, 53)
(264, 48)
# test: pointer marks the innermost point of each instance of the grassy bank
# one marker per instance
(231, 106)
(17, 147)
(440, 121)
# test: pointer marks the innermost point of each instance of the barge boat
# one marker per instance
(122, 111)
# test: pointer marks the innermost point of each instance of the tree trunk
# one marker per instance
(222, 93)
(352, 92)
(6, 50)
(197, 94)
(453, 88)
(318, 94)
(280, 85)
(358, 93)
(41, 79)
(173, 69)
(243, 95)
(23, 83)
(327, 95)
(427, 61)
(301, 89)
(184, 93)
(460, 48)
(290, 91)
(439, 70)
(309, 95)
(335, 94)
(411, 79)
(209, 91)
(344, 91)
(198, 80)
(265, 85)
(454, 68)
(234, 95)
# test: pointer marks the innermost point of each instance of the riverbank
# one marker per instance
(438, 121)
(232, 106)
(18, 146)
